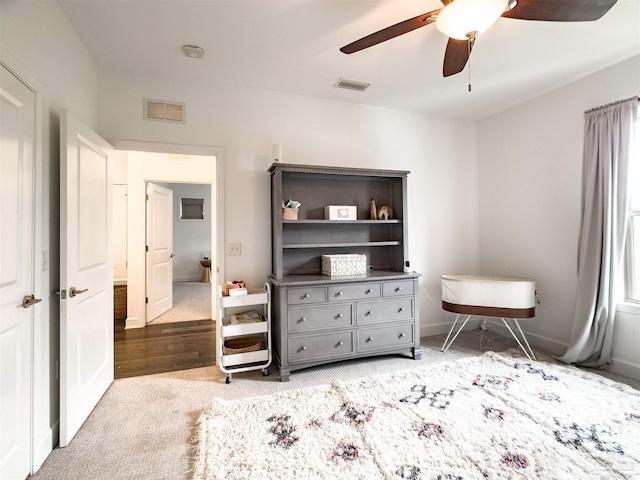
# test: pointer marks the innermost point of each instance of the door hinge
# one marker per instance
(146, 299)
(147, 197)
(146, 248)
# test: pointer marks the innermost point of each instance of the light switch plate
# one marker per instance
(234, 249)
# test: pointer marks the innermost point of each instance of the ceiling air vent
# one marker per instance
(172, 112)
(351, 85)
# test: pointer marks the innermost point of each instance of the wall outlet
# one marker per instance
(234, 249)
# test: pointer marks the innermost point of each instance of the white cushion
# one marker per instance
(489, 291)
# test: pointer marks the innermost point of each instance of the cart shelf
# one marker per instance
(245, 361)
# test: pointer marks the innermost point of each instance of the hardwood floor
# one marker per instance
(163, 348)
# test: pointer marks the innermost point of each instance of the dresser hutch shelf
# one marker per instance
(317, 318)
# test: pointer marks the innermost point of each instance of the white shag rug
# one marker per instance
(495, 416)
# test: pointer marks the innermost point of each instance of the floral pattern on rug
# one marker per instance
(515, 460)
(353, 412)
(576, 436)
(283, 431)
(492, 416)
(431, 430)
(437, 399)
(345, 451)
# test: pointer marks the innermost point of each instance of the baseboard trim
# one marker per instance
(134, 322)
(43, 446)
(196, 278)
(624, 368)
(443, 328)
(550, 345)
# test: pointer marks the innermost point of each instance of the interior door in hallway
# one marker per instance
(159, 267)
(17, 124)
(86, 273)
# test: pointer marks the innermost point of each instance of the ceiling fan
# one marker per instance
(463, 20)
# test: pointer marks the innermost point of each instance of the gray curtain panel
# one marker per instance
(609, 135)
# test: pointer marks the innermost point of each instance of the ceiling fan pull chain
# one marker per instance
(469, 57)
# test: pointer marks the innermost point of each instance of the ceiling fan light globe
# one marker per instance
(460, 17)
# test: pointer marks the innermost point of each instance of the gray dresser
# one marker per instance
(317, 318)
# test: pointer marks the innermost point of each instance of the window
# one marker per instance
(633, 238)
(191, 208)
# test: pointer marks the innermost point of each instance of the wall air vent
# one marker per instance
(160, 110)
(351, 85)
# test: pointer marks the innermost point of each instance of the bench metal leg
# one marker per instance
(527, 351)
(448, 343)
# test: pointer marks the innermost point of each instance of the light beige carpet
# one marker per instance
(191, 301)
(142, 427)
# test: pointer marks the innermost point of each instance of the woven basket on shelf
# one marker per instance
(241, 345)
(119, 302)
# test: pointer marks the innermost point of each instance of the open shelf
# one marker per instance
(342, 245)
(346, 222)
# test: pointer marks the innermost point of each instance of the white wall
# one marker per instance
(37, 35)
(191, 239)
(530, 162)
(440, 153)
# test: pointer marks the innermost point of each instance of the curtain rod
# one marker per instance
(611, 104)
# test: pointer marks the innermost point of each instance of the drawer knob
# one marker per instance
(401, 309)
(369, 313)
(303, 319)
(306, 295)
(401, 335)
(303, 347)
(339, 315)
(340, 294)
(368, 292)
(340, 343)
(370, 339)
(398, 289)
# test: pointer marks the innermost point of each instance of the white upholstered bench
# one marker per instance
(508, 298)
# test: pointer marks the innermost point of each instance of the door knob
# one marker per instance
(172, 255)
(29, 300)
(73, 291)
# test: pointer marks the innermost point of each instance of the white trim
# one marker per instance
(624, 368)
(38, 313)
(217, 226)
(628, 307)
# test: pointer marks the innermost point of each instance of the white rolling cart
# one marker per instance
(228, 360)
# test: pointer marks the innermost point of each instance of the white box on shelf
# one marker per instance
(340, 212)
(344, 265)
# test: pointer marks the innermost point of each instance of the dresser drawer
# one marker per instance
(384, 310)
(341, 293)
(311, 347)
(320, 317)
(403, 287)
(378, 338)
(297, 296)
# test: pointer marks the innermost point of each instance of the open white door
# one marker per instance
(86, 273)
(17, 124)
(159, 251)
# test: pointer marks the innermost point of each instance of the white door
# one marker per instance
(17, 124)
(86, 273)
(159, 251)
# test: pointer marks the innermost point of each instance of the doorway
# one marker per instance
(189, 224)
(167, 164)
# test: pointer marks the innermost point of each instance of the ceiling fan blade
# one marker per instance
(391, 32)
(560, 10)
(456, 56)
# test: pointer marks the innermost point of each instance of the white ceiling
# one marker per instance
(293, 46)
